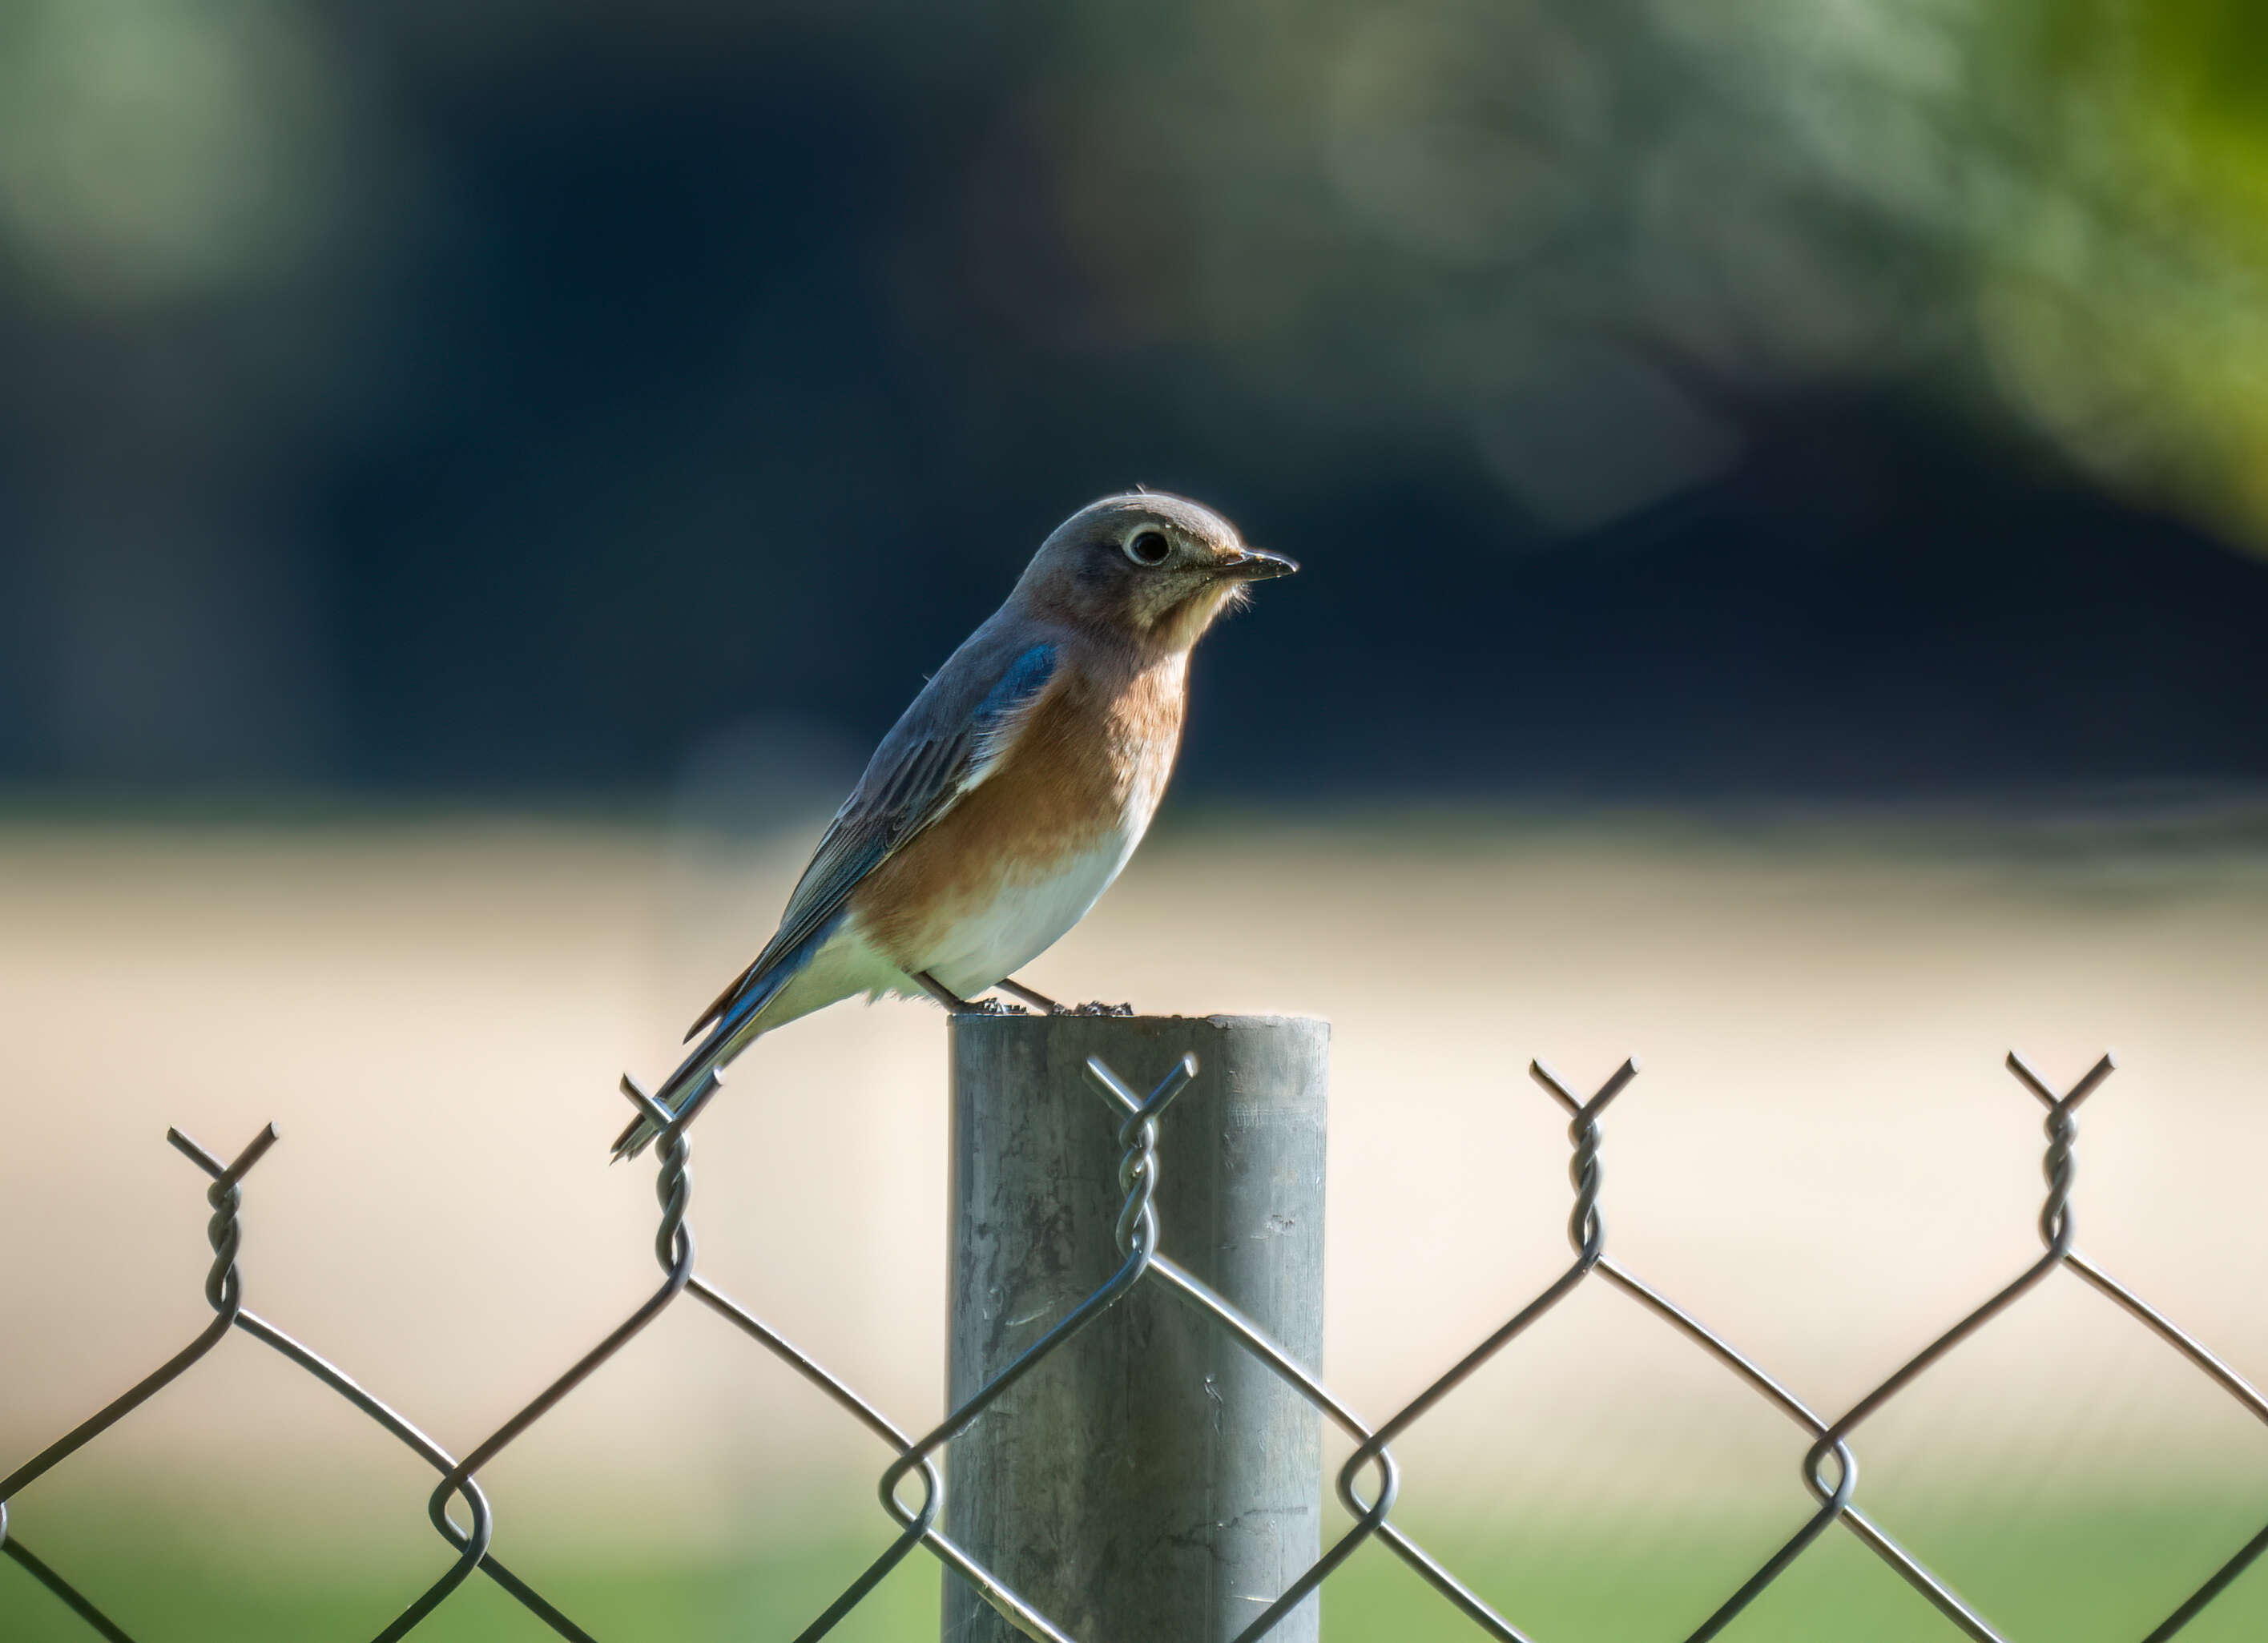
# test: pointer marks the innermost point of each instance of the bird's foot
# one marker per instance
(1039, 1001)
(959, 1006)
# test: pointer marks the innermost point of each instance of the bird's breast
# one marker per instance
(1024, 854)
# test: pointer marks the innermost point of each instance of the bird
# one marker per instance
(1009, 793)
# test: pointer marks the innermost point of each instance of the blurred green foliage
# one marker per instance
(2102, 1572)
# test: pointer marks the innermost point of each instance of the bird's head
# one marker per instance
(1147, 566)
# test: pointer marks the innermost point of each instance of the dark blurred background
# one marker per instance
(519, 398)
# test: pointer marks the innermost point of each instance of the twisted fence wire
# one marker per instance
(1137, 1234)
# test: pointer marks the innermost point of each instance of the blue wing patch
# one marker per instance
(1003, 709)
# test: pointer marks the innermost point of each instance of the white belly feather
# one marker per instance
(1031, 911)
(1026, 917)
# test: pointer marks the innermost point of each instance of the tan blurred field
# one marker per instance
(1822, 1157)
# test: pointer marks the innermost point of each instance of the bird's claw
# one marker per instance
(1039, 1001)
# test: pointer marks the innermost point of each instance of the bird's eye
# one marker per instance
(1148, 548)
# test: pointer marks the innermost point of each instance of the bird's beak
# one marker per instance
(1255, 564)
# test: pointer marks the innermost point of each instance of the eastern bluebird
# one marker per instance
(1013, 791)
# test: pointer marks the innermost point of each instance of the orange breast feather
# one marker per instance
(1090, 759)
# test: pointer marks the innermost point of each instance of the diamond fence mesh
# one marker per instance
(1367, 1485)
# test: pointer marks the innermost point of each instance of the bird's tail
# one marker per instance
(697, 1078)
(733, 1022)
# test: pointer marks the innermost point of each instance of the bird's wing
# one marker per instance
(914, 780)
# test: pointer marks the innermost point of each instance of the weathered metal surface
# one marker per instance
(1152, 1483)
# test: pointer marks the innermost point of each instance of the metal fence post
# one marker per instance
(1152, 1482)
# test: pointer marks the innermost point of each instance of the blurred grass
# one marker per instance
(2106, 1571)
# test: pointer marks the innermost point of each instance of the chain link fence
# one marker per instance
(1367, 1485)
